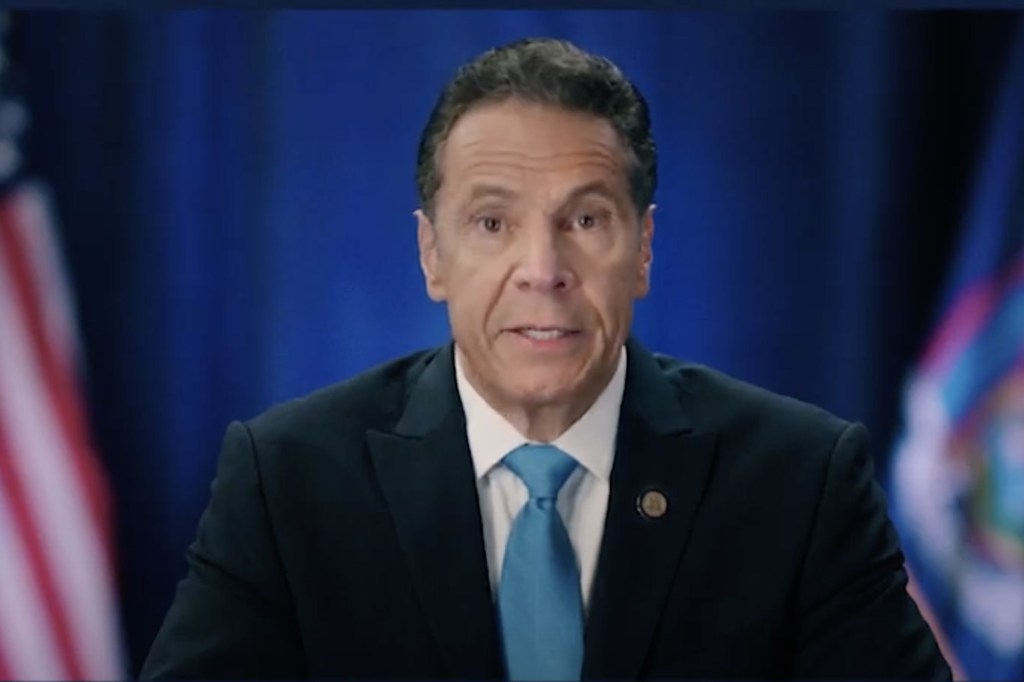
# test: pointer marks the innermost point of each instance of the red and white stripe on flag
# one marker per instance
(58, 605)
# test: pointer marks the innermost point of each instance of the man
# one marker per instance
(543, 498)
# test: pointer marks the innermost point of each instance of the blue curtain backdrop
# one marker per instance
(236, 190)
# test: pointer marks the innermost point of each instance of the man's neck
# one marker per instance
(541, 422)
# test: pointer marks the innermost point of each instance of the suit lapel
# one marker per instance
(658, 450)
(426, 474)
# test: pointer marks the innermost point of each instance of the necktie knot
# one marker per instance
(544, 469)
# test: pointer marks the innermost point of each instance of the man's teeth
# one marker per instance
(544, 334)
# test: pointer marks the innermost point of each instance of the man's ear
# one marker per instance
(426, 236)
(643, 275)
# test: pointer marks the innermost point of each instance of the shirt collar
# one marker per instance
(590, 440)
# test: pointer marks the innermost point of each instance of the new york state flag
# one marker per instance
(957, 477)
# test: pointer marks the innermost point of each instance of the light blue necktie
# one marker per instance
(539, 600)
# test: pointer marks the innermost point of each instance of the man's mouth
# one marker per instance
(545, 333)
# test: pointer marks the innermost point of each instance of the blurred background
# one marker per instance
(204, 213)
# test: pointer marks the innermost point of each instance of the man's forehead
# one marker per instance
(574, 188)
(506, 168)
(554, 182)
(537, 135)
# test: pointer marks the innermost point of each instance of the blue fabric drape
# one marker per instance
(236, 191)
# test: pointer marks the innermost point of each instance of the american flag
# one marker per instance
(58, 604)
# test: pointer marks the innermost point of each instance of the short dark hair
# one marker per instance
(544, 71)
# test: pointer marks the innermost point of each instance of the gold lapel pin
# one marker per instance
(652, 504)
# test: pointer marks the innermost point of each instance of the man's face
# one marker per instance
(538, 251)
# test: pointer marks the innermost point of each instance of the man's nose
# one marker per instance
(542, 263)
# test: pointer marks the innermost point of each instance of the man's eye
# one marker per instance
(588, 221)
(489, 223)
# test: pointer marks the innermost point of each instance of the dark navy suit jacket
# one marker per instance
(343, 540)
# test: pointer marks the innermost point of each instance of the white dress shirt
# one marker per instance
(582, 501)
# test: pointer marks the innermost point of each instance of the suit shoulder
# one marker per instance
(372, 399)
(730, 404)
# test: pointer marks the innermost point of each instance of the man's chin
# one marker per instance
(547, 393)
